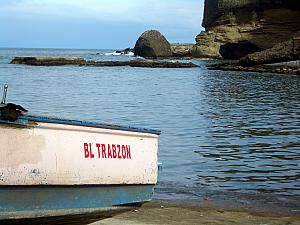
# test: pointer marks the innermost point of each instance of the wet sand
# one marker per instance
(167, 213)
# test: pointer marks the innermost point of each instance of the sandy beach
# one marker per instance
(166, 213)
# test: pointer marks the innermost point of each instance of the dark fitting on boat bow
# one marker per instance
(10, 111)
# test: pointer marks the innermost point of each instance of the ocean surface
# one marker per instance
(223, 133)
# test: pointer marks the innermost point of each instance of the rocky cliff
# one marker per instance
(235, 28)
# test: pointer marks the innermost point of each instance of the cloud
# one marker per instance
(96, 23)
(153, 12)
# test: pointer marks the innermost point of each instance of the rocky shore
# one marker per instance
(292, 68)
(47, 61)
(62, 61)
(141, 63)
(283, 58)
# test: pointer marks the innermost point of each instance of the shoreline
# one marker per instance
(215, 207)
(160, 212)
(266, 203)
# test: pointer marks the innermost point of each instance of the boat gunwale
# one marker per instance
(57, 120)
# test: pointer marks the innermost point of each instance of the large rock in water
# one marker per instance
(152, 44)
(250, 25)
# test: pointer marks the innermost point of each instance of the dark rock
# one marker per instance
(283, 58)
(124, 51)
(152, 44)
(142, 63)
(238, 50)
(281, 68)
(281, 52)
(48, 61)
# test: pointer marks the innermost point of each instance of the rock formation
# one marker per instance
(281, 52)
(152, 44)
(49, 61)
(181, 50)
(61, 61)
(240, 27)
(282, 58)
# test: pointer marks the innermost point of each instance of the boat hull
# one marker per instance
(34, 202)
(52, 167)
(43, 153)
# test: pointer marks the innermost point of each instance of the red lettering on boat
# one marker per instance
(114, 151)
(109, 151)
(119, 152)
(128, 154)
(91, 153)
(86, 150)
(99, 151)
(123, 152)
(103, 151)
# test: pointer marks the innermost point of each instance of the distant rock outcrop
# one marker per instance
(47, 60)
(124, 51)
(152, 44)
(181, 50)
(61, 61)
(240, 27)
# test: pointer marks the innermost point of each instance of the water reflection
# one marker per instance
(253, 133)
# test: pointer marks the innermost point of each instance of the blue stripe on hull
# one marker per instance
(25, 118)
(14, 199)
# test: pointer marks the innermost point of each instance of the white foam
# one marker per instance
(113, 53)
(130, 54)
(118, 54)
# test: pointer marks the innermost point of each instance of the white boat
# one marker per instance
(58, 168)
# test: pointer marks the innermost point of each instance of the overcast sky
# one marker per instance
(95, 23)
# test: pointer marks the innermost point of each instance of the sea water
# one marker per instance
(228, 132)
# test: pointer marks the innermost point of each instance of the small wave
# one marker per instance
(130, 54)
(119, 54)
(112, 53)
(97, 53)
